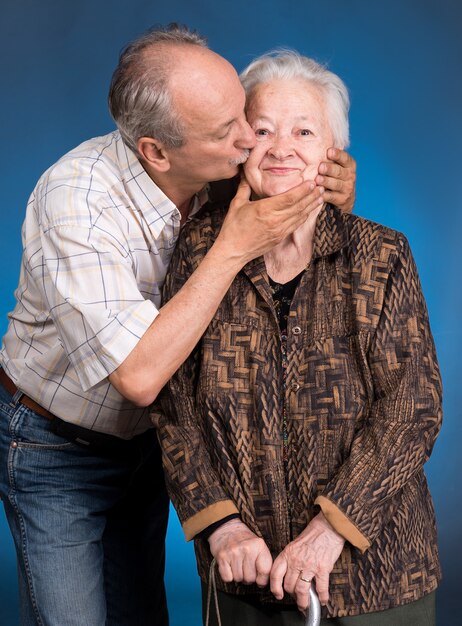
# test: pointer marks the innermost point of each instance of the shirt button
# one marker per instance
(295, 386)
(296, 330)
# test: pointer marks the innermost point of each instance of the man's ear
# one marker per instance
(153, 152)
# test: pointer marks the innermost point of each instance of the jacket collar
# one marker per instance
(331, 235)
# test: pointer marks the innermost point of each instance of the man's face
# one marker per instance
(210, 101)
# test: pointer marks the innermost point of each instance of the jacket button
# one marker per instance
(14, 444)
(295, 386)
(296, 330)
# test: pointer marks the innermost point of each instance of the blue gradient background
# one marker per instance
(402, 62)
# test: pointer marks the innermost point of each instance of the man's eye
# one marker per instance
(225, 135)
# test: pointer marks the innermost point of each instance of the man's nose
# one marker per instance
(246, 139)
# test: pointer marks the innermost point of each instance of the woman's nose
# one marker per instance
(281, 147)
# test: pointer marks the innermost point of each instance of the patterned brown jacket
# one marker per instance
(362, 392)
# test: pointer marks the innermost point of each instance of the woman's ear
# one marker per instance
(153, 152)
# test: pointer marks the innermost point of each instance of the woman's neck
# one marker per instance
(293, 254)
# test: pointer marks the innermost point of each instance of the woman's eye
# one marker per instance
(305, 132)
(261, 132)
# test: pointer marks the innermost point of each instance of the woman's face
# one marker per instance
(290, 123)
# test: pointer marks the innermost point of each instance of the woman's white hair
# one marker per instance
(282, 64)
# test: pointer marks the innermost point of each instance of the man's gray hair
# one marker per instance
(139, 97)
(288, 65)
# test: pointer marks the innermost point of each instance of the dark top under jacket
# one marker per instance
(346, 425)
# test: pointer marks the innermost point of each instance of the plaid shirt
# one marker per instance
(98, 237)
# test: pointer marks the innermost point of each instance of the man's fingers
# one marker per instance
(300, 218)
(296, 213)
(341, 157)
(330, 183)
(288, 215)
(338, 177)
(260, 225)
(243, 192)
(333, 170)
(297, 197)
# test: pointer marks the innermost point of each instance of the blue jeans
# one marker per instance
(89, 530)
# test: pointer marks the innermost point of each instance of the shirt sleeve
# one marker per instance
(405, 417)
(193, 484)
(93, 297)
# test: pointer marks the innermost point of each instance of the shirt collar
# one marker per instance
(201, 198)
(157, 209)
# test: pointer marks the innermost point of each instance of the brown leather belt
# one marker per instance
(9, 385)
(95, 442)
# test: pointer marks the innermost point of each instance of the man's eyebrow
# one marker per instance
(218, 130)
(226, 124)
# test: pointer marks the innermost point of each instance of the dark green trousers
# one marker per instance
(237, 611)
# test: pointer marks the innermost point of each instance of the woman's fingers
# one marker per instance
(302, 591)
(278, 572)
(241, 555)
(249, 570)
(322, 586)
(311, 556)
(263, 565)
(225, 571)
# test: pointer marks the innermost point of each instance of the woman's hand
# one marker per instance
(311, 555)
(338, 177)
(241, 555)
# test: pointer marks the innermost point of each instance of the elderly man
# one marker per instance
(88, 347)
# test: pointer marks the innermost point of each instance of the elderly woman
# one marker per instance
(295, 435)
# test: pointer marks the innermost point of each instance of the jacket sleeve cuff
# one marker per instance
(340, 523)
(213, 513)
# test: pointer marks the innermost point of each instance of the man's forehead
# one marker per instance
(207, 95)
(188, 56)
(201, 69)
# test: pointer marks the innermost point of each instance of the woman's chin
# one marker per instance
(280, 187)
(273, 187)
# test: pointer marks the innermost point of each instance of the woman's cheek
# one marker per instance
(253, 176)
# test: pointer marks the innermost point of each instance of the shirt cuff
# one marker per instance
(340, 523)
(213, 513)
(205, 534)
(102, 354)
